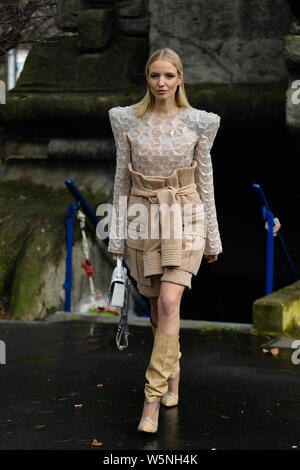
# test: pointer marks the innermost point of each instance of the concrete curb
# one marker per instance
(144, 321)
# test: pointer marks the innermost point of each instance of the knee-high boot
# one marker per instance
(163, 357)
(169, 398)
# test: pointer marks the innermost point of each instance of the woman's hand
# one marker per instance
(211, 258)
(121, 255)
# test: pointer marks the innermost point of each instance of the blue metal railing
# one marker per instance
(269, 217)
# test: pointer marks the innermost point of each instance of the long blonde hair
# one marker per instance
(147, 103)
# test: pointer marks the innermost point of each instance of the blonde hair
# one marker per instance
(147, 103)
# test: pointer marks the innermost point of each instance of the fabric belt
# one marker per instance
(161, 252)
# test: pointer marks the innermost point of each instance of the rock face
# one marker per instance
(33, 250)
(223, 42)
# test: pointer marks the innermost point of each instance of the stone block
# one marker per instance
(20, 149)
(132, 17)
(94, 29)
(85, 149)
(56, 66)
(278, 312)
(133, 26)
(68, 11)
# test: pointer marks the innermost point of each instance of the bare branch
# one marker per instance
(26, 21)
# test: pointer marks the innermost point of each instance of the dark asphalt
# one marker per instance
(232, 396)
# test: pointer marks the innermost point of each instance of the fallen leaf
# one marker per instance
(60, 397)
(95, 443)
(274, 351)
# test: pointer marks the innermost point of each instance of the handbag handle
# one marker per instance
(119, 266)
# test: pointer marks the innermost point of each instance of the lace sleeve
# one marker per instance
(121, 182)
(204, 181)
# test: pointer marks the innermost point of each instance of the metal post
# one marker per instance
(70, 228)
(270, 250)
(83, 204)
(268, 215)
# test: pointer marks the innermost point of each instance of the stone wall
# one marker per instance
(231, 41)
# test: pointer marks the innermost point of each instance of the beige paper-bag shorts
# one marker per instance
(149, 286)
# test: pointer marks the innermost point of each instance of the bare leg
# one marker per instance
(169, 307)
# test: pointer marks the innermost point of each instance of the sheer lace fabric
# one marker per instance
(157, 145)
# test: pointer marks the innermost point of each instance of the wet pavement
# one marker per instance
(232, 396)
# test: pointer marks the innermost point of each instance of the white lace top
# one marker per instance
(157, 145)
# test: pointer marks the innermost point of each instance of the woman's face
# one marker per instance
(163, 77)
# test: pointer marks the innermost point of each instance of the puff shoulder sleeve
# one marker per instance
(121, 189)
(207, 126)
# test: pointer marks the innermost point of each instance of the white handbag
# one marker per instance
(118, 284)
(118, 296)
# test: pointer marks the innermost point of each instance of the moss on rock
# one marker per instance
(279, 311)
(254, 105)
(33, 237)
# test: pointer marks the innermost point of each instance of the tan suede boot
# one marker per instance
(171, 399)
(163, 357)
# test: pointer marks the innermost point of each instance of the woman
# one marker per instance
(163, 157)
